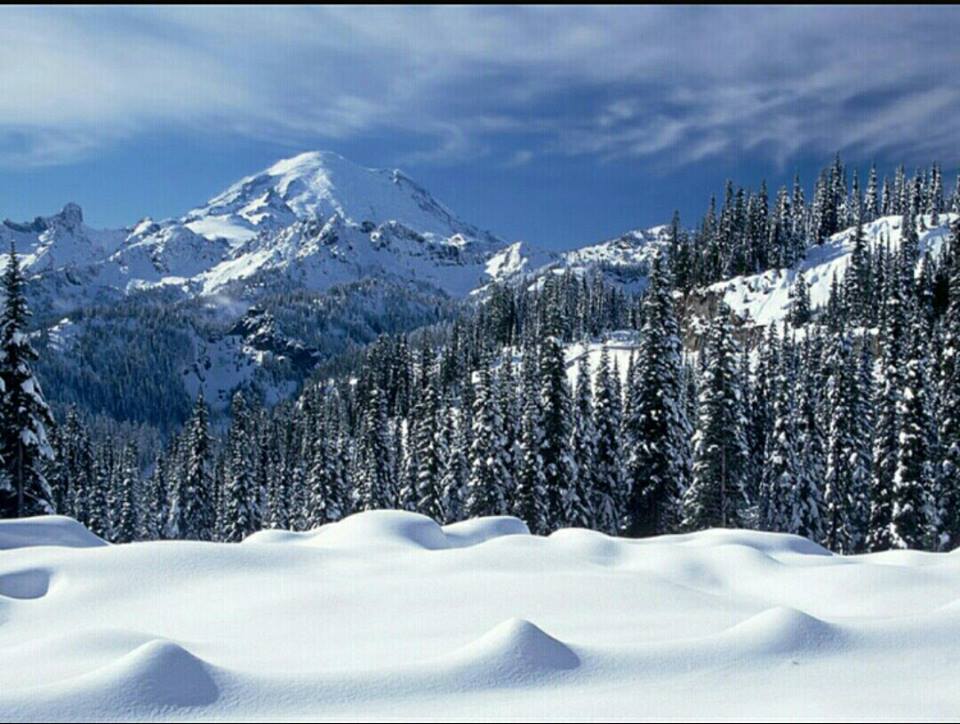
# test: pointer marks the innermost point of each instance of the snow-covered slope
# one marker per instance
(764, 298)
(388, 616)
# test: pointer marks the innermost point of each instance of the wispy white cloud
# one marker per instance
(675, 84)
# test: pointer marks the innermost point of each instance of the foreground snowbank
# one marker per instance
(389, 616)
(47, 530)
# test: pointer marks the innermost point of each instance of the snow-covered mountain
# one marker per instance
(309, 222)
(321, 185)
(625, 259)
(60, 241)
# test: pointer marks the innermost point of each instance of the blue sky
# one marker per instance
(555, 125)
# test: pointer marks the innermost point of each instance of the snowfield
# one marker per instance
(388, 616)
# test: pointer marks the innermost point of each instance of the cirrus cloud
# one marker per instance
(672, 85)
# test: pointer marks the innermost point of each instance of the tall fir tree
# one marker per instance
(584, 441)
(949, 399)
(485, 494)
(720, 464)
(609, 487)
(659, 462)
(374, 482)
(25, 415)
(886, 445)
(240, 494)
(192, 510)
(914, 519)
(530, 502)
(126, 527)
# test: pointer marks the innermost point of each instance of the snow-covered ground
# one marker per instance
(388, 616)
(621, 346)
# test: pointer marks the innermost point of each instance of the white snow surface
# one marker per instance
(388, 616)
(47, 530)
(622, 346)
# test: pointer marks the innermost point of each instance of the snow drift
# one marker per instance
(389, 615)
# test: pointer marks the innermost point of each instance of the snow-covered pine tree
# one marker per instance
(323, 501)
(847, 479)
(886, 443)
(800, 305)
(584, 440)
(529, 502)
(914, 520)
(886, 198)
(69, 484)
(807, 511)
(105, 457)
(97, 507)
(608, 483)
(566, 506)
(871, 209)
(373, 477)
(25, 414)
(125, 529)
(720, 464)
(658, 464)
(431, 445)
(909, 247)
(509, 403)
(240, 494)
(858, 281)
(935, 197)
(761, 403)
(485, 494)
(456, 467)
(192, 509)
(153, 524)
(949, 422)
(782, 471)
(408, 455)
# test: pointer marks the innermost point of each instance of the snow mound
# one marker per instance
(478, 530)
(25, 584)
(46, 530)
(782, 630)
(396, 528)
(160, 673)
(771, 544)
(511, 653)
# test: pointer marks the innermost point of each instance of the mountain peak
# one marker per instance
(309, 161)
(317, 185)
(71, 215)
